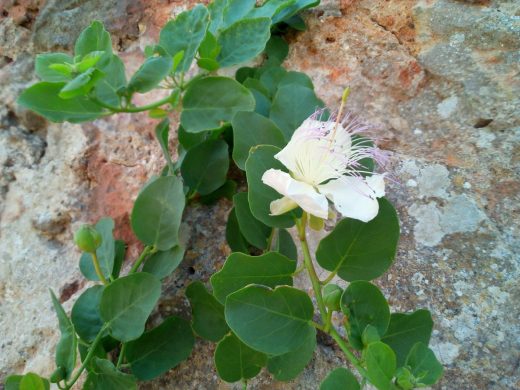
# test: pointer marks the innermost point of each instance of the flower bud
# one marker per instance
(58, 375)
(332, 296)
(87, 239)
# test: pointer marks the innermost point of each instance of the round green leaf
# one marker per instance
(212, 101)
(31, 381)
(205, 166)
(424, 366)
(270, 321)
(93, 38)
(289, 365)
(285, 245)
(349, 249)
(243, 41)
(270, 269)
(381, 365)
(299, 78)
(43, 61)
(234, 237)
(107, 88)
(43, 98)
(163, 263)
(254, 231)
(364, 304)
(252, 129)
(340, 378)
(271, 77)
(292, 104)
(150, 74)
(103, 376)
(277, 48)
(261, 158)
(405, 330)
(236, 361)
(208, 314)
(127, 302)
(157, 212)
(160, 349)
(85, 313)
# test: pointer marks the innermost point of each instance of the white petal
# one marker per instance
(377, 183)
(282, 205)
(302, 193)
(352, 197)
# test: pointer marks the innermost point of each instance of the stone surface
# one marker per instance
(440, 80)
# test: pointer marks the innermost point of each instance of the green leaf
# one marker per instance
(205, 166)
(85, 314)
(234, 237)
(216, 12)
(227, 190)
(208, 314)
(31, 381)
(160, 349)
(270, 269)
(405, 330)
(381, 365)
(127, 302)
(289, 365)
(340, 378)
(243, 41)
(349, 250)
(163, 263)
(12, 382)
(277, 48)
(104, 376)
(119, 258)
(254, 231)
(292, 104)
(292, 10)
(208, 64)
(270, 321)
(43, 61)
(43, 98)
(66, 350)
(364, 304)
(262, 102)
(107, 251)
(88, 61)
(211, 102)
(94, 38)
(150, 74)
(189, 140)
(244, 73)
(296, 22)
(251, 129)
(235, 361)
(185, 33)
(270, 8)
(108, 88)
(157, 213)
(162, 130)
(285, 244)
(209, 47)
(424, 366)
(261, 158)
(296, 78)
(271, 77)
(236, 10)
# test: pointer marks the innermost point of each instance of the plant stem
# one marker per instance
(90, 354)
(146, 251)
(132, 109)
(344, 347)
(121, 355)
(329, 278)
(328, 322)
(270, 239)
(98, 268)
(310, 269)
(244, 385)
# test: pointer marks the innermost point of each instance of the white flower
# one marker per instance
(324, 161)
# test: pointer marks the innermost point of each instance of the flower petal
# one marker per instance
(377, 184)
(302, 193)
(353, 197)
(282, 205)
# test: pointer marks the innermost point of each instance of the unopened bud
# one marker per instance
(332, 296)
(87, 239)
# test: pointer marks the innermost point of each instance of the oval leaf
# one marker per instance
(271, 269)
(66, 350)
(127, 302)
(150, 74)
(270, 321)
(340, 378)
(160, 349)
(349, 250)
(234, 237)
(103, 375)
(236, 361)
(381, 365)
(157, 213)
(205, 166)
(212, 101)
(364, 304)
(85, 313)
(163, 263)
(254, 231)
(424, 366)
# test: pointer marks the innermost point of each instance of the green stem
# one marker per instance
(244, 385)
(344, 347)
(146, 251)
(329, 278)
(90, 355)
(328, 322)
(132, 109)
(121, 355)
(298, 270)
(310, 269)
(98, 268)
(318, 326)
(270, 240)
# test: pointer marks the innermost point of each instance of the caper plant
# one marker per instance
(304, 167)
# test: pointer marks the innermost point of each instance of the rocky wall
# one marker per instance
(439, 78)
